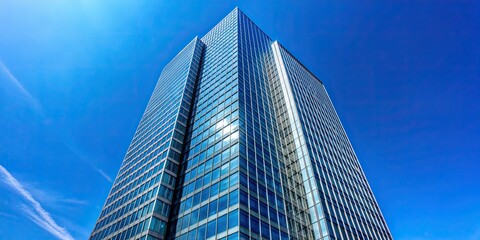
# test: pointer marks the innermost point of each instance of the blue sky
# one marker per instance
(75, 77)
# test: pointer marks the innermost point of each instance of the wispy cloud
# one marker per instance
(82, 157)
(4, 71)
(108, 178)
(51, 197)
(18, 85)
(34, 209)
(7, 215)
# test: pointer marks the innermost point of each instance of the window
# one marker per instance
(194, 217)
(233, 179)
(191, 234)
(212, 209)
(185, 221)
(265, 230)
(222, 203)
(224, 169)
(196, 199)
(215, 174)
(203, 213)
(275, 233)
(211, 228)
(263, 209)
(233, 198)
(273, 215)
(283, 220)
(224, 184)
(244, 219)
(214, 190)
(205, 194)
(233, 219)
(253, 203)
(222, 223)
(158, 225)
(200, 232)
(243, 198)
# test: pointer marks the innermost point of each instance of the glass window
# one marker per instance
(191, 187)
(212, 209)
(243, 198)
(211, 228)
(208, 164)
(185, 221)
(234, 163)
(244, 219)
(196, 199)
(222, 223)
(263, 209)
(265, 230)
(275, 233)
(194, 217)
(203, 213)
(233, 236)
(233, 198)
(188, 203)
(222, 203)
(216, 160)
(233, 219)
(224, 184)
(233, 179)
(283, 220)
(224, 169)
(214, 190)
(225, 154)
(198, 183)
(201, 232)
(205, 194)
(215, 174)
(192, 234)
(273, 215)
(253, 203)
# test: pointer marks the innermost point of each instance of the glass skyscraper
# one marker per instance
(239, 141)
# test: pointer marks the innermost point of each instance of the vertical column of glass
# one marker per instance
(350, 210)
(163, 204)
(294, 169)
(206, 200)
(262, 206)
(299, 155)
(144, 183)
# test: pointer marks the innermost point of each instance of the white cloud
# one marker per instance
(34, 209)
(108, 178)
(82, 157)
(51, 197)
(13, 80)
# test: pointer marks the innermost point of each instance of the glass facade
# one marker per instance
(239, 141)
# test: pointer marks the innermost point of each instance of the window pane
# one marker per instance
(203, 212)
(212, 208)
(222, 203)
(211, 228)
(233, 219)
(201, 232)
(233, 198)
(222, 224)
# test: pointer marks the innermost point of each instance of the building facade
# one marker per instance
(239, 141)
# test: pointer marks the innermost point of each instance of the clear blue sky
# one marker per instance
(75, 77)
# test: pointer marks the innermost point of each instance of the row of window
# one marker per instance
(209, 177)
(213, 207)
(213, 227)
(118, 211)
(143, 183)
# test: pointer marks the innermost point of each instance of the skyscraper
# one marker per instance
(239, 140)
